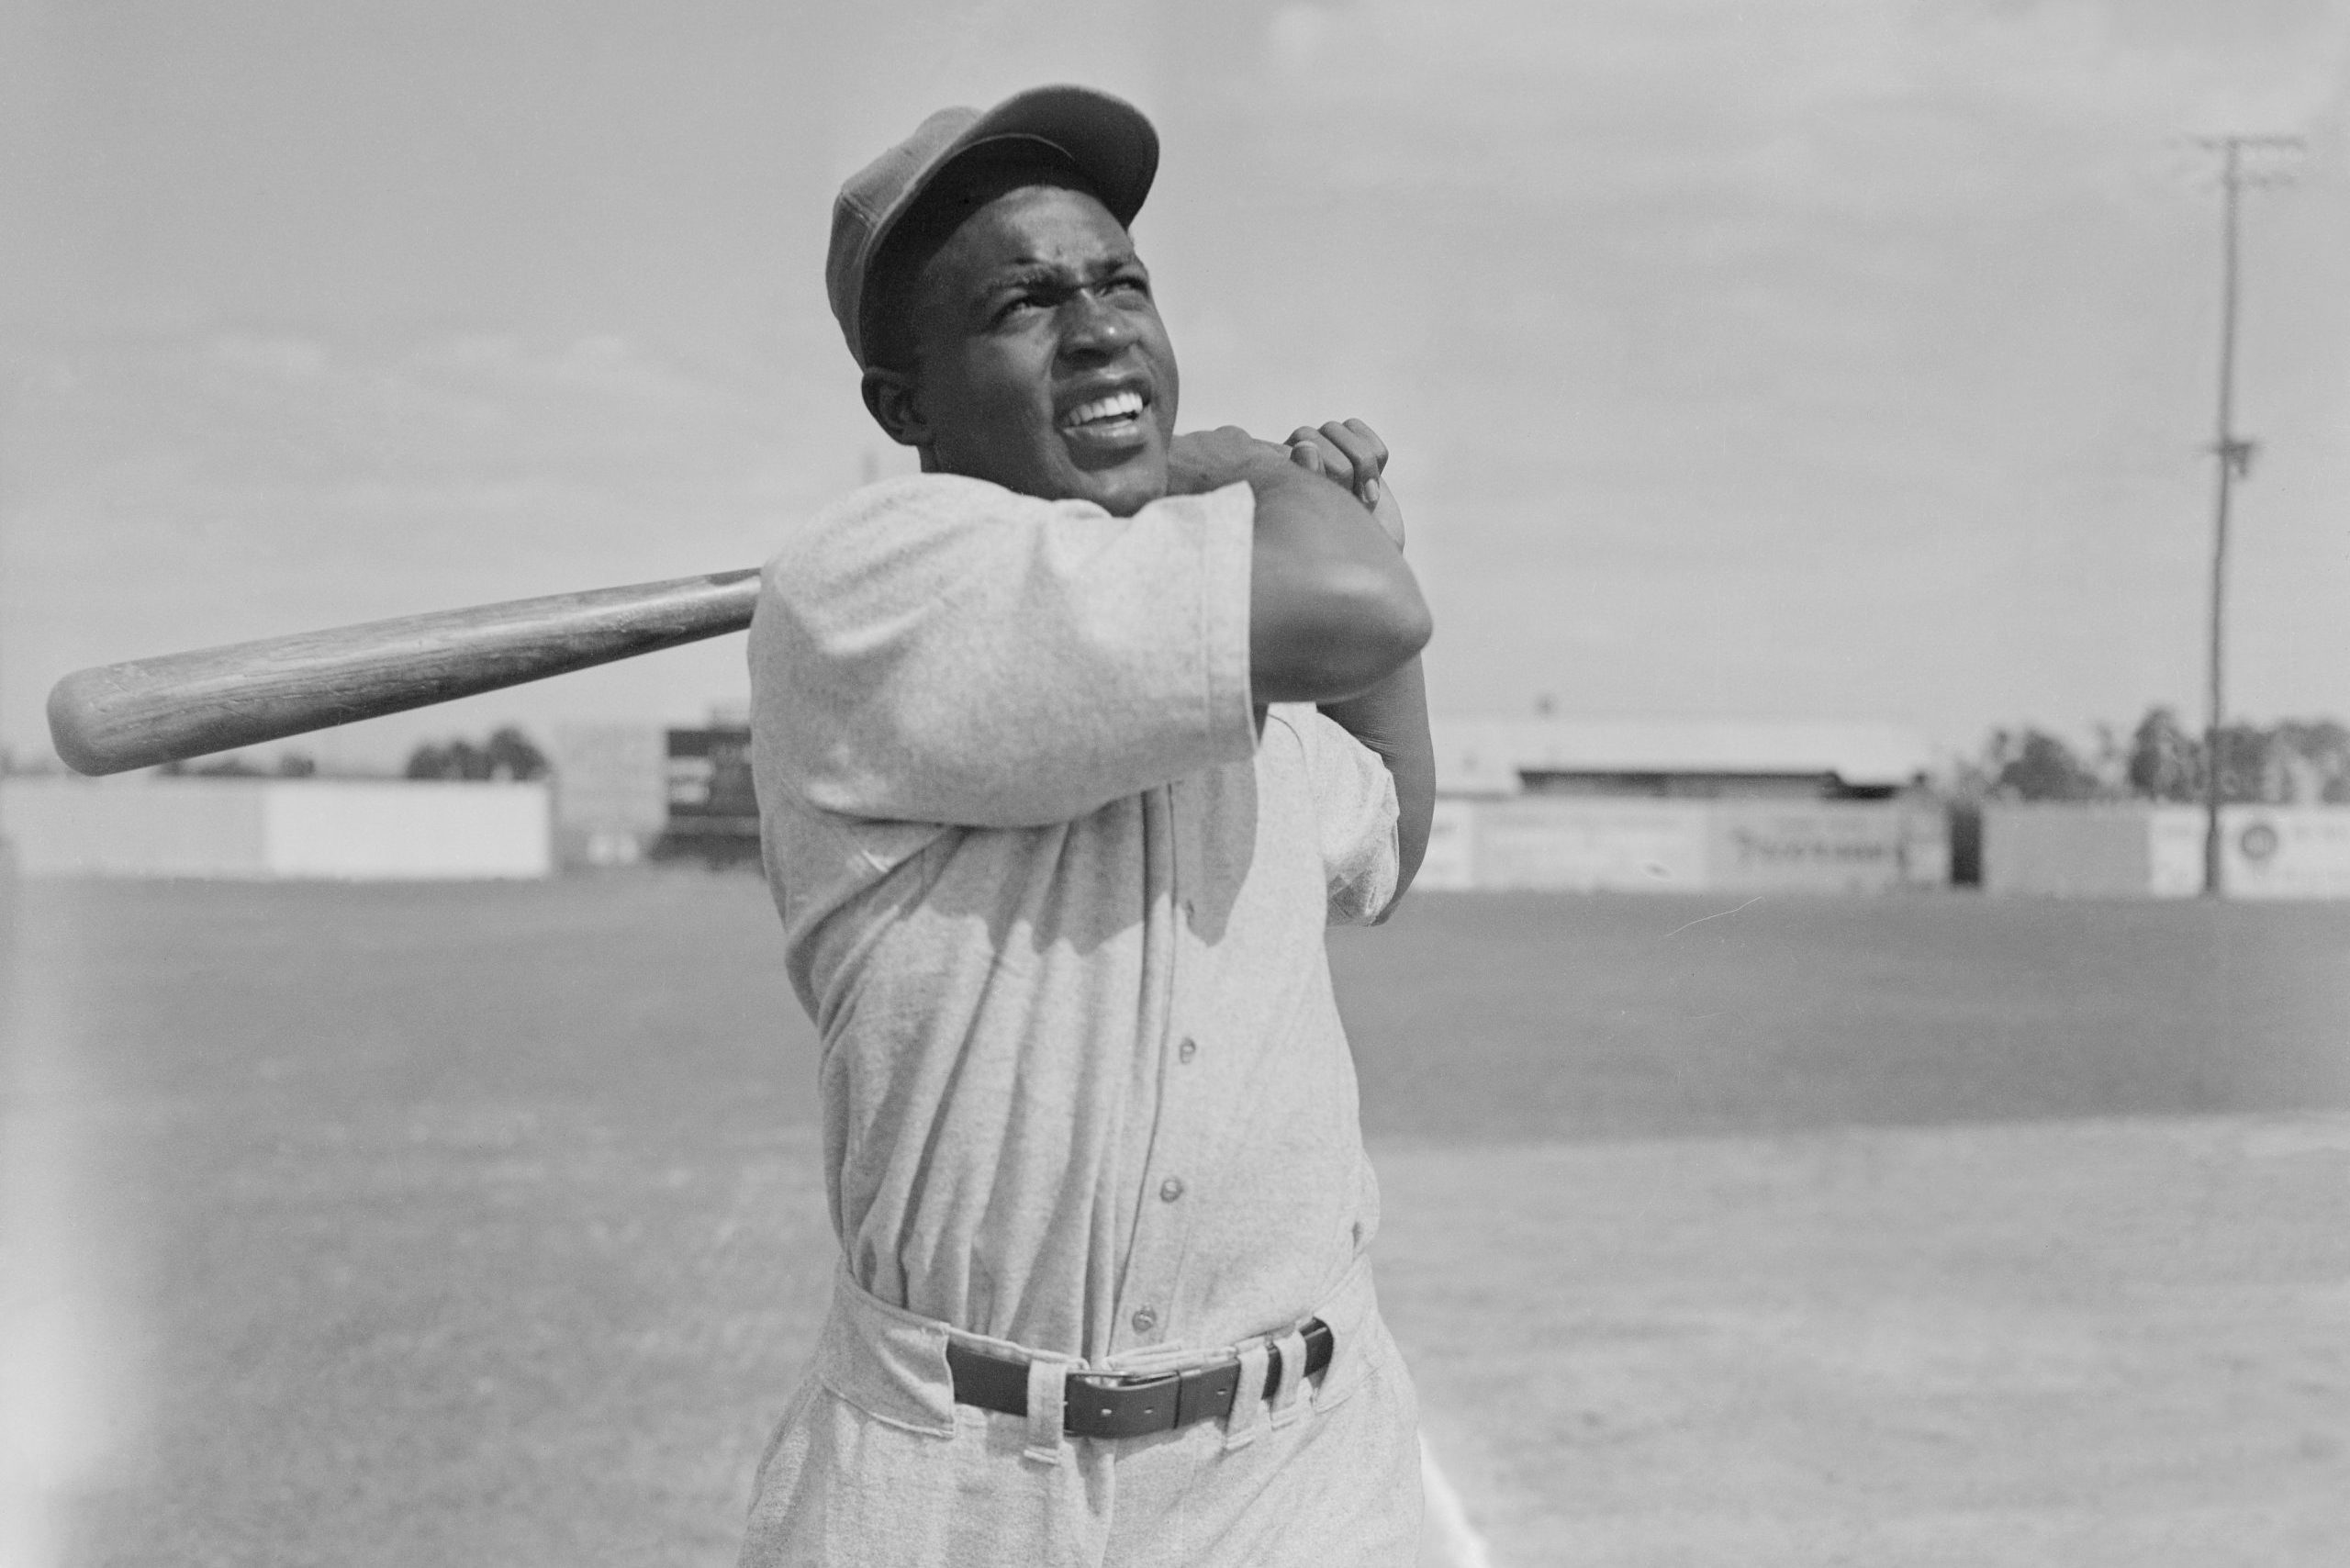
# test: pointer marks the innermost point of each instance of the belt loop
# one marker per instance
(1048, 1393)
(1287, 1405)
(1248, 1400)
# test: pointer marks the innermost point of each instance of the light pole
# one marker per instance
(2234, 453)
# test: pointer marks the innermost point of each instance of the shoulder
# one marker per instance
(917, 535)
(884, 516)
(934, 532)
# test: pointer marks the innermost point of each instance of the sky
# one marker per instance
(1821, 360)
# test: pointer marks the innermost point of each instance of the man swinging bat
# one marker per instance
(1067, 748)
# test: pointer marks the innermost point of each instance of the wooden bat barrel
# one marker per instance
(118, 717)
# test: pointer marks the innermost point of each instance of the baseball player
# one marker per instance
(1068, 749)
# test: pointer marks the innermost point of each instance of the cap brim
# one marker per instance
(1106, 139)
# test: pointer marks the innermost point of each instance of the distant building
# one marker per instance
(1669, 805)
(713, 813)
(1676, 759)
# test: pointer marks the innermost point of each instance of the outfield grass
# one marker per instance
(431, 1225)
(1526, 1017)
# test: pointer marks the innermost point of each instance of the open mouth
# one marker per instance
(1112, 420)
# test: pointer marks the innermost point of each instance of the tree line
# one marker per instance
(2291, 762)
(507, 753)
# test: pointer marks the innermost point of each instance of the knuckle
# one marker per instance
(1373, 447)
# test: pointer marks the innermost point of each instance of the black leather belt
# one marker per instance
(1099, 1406)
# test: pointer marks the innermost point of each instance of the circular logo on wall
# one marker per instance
(2258, 840)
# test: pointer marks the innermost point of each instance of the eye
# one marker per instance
(1019, 303)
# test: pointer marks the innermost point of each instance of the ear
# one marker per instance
(894, 399)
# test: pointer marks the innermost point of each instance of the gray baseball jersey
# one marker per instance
(1056, 903)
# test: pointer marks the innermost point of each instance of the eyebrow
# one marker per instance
(1021, 274)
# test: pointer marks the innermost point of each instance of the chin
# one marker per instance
(1125, 500)
(1126, 489)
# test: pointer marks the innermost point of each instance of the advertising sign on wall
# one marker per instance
(610, 791)
(2285, 852)
(1823, 846)
(1589, 845)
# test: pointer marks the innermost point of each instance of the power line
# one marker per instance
(2234, 453)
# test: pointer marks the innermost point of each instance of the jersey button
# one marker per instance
(1170, 1189)
(1187, 1050)
(1144, 1320)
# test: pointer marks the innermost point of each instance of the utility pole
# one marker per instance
(2234, 453)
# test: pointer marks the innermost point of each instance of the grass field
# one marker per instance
(438, 1225)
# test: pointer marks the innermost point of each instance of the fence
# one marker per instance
(142, 825)
(1587, 844)
(2139, 850)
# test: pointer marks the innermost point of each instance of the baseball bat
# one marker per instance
(118, 717)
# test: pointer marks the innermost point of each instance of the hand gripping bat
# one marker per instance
(118, 717)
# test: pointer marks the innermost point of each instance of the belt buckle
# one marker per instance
(1093, 1406)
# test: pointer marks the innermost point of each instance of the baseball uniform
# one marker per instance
(1055, 899)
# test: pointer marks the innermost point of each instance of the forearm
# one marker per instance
(1334, 611)
(1391, 718)
(1331, 605)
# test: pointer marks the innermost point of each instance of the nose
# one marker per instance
(1092, 327)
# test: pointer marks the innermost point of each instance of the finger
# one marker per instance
(1363, 456)
(1362, 444)
(1316, 457)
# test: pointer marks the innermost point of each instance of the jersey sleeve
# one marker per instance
(939, 649)
(1355, 814)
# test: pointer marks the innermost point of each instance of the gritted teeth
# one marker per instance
(1117, 406)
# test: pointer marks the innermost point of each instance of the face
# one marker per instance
(1041, 362)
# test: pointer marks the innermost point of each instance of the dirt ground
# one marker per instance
(2075, 1343)
(406, 1225)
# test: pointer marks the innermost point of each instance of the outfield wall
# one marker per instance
(1588, 843)
(610, 792)
(147, 826)
(2138, 850)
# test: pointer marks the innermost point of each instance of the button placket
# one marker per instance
(1160, 1238)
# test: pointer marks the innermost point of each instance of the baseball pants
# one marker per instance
(875, 1464)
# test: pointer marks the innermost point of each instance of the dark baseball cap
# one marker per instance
(1105, 140)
